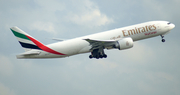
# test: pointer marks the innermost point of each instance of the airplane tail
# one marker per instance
(26, 41)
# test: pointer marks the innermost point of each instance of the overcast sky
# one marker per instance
(149, 68)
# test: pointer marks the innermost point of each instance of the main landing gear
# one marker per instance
(98, 53)
(163, 40)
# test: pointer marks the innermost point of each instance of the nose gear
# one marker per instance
(163, 40)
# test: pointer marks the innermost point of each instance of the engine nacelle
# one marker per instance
(124, 43)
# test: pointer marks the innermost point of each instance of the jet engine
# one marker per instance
(124, 43)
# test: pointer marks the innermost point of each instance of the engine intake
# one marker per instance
(124, 43)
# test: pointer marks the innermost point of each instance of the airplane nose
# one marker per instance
(172, 26)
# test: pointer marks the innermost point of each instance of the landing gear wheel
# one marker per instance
(90, 56)
(163, 40)
(101, 56)
(105, 56)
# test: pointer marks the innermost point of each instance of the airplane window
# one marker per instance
(168, 23)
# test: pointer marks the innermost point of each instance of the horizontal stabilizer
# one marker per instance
(30, 53)
(57, 39)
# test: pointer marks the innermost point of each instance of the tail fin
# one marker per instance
(25, 39)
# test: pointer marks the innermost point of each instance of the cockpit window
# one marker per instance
(168, 23)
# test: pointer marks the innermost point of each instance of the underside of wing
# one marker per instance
(96, 44)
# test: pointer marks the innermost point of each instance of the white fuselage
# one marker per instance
(79, 45)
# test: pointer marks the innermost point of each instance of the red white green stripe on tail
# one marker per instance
(28, 42)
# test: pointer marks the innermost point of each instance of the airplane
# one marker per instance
(121, 38)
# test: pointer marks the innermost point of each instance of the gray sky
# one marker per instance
(149, 68)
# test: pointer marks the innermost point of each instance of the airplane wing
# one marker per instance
(96, 44)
